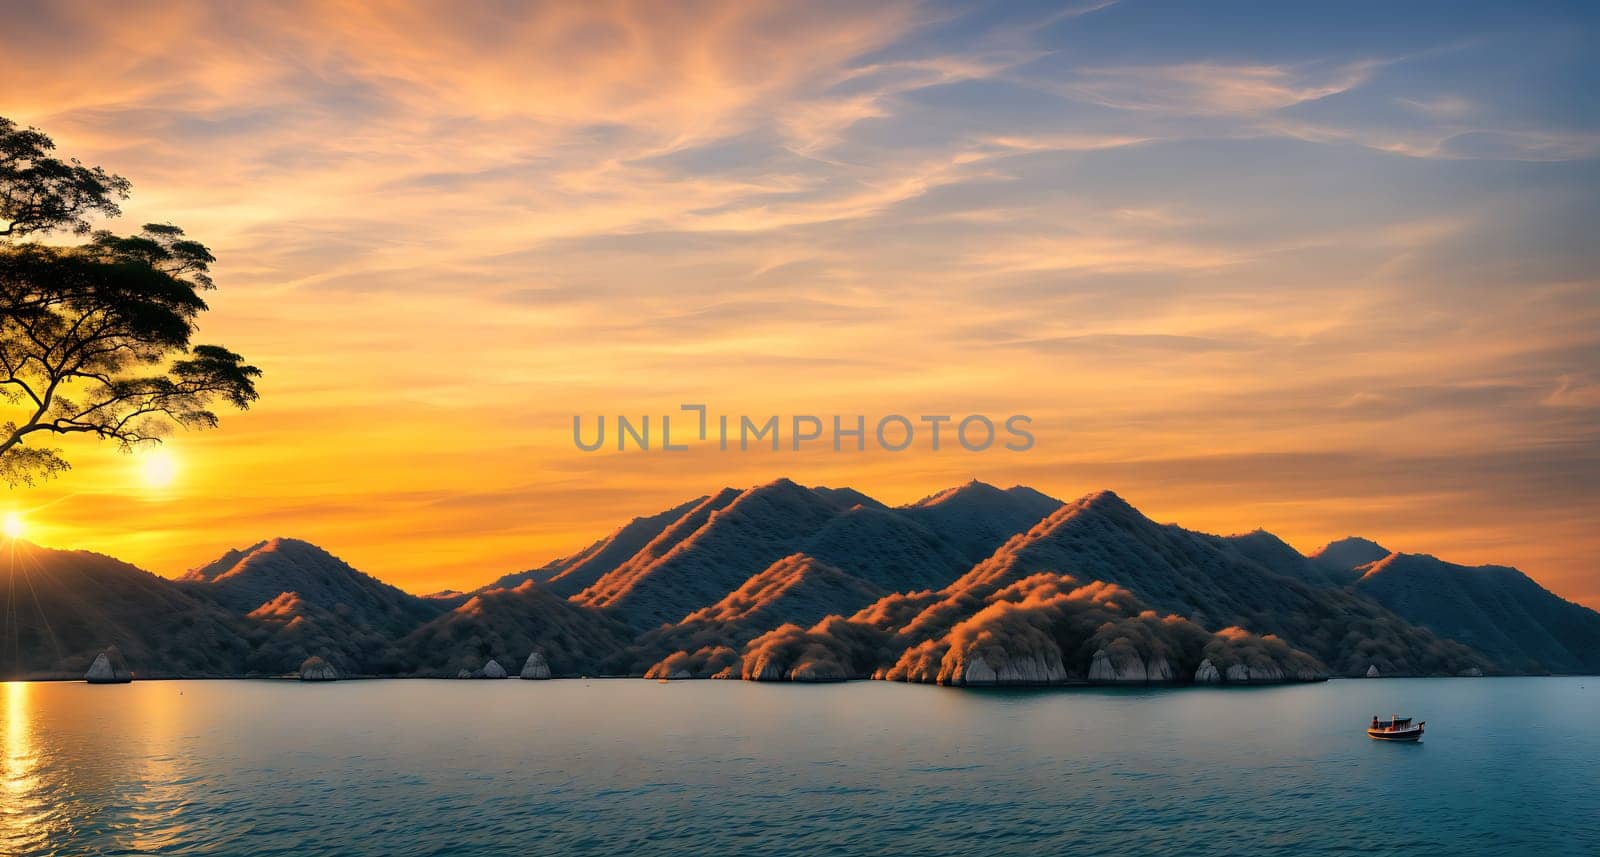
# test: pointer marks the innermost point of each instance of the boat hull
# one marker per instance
(1408, 735)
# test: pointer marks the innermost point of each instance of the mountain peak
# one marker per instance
(1350, 553)
(971, 491)
(237, 560)
(1104, 501)
(244, 580)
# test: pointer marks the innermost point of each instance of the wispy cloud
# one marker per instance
(1245, 276)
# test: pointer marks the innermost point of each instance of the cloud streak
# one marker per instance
(443, 230)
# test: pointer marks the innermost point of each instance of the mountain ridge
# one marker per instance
(745, 582)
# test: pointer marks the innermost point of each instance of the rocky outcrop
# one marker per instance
(764, 669)
(317, 669)
(1032, 669)
(492, 669)
(1160, 670)
(103, 671)
(1207, 673)
(1471, 672)
(1118, 665)
(536, 667)
(1267, 674)
(1372, 671)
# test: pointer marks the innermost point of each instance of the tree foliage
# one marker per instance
(95, 338)
(41, 193)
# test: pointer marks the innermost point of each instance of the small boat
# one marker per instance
(1396, 728)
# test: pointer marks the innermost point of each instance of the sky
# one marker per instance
(1325, 270)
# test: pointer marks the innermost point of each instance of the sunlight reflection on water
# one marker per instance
(622, 767)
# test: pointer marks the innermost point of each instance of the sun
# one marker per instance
(158, 468)
(13, 526)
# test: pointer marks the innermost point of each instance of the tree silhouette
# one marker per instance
(95, 337)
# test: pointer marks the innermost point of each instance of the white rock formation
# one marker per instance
(317, 669)
(1207, 673)
(1266, 674)
(1160, 669)
(1239, 674)
(1471, 672)
(765, 669)
(102, 672)
(492, 669)
(979, 673)
(1372, 671)
(1033, 669)
(536, 666)
(1127, 668)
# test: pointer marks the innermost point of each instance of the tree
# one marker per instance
(39, 193)
(95, 338)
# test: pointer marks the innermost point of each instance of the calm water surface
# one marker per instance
(1508, 766)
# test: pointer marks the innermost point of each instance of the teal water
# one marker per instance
(1508, 766)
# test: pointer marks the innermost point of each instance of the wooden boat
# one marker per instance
(1395, 729)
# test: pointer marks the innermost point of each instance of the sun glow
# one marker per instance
(13, 527)
(158, 468)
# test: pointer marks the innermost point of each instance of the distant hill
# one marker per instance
(1340, 561)
(508, 625)
(716, 547)
(759, 527)
(61, 608)
(570, 575)
(886, 548)
(1041, 629)
(243, 580)
(1275, 554)
(1100, 537)
(976, 518)
(286, 630)
(1497, 610)
(972, 585)
(796, 589)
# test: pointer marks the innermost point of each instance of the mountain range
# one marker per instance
(970, 586)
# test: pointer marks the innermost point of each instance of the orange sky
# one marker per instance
(1327, 283)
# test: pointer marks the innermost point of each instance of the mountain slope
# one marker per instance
(886, 548)
(798, 589)
(976, 518)
(508, 625)
(1042, 629)
(711, 551)
(1340, 561)
(288, 629)
(243, 580)
(1496, 609)
(1276, 555)
(61, 608)
(570, 575)
(757, 528)
(1200, 577)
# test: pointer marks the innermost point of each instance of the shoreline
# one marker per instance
(999, 686)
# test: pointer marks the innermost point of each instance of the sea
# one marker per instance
(636, 767)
